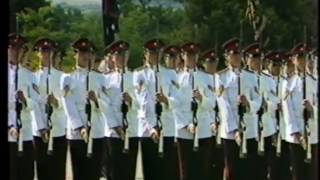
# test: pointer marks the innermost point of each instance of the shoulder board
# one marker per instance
(266, 74)
(312, 77)
(139, 68)
(222, 71)
(248, 70)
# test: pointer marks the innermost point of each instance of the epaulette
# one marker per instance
(222, 71)
(248, 70)
(312, 77)
(266, 74)
(139, 68)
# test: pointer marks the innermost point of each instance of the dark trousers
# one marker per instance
(297, 155)
(217, 162)
(79, 160)
(231, 159)
(13, 161)
(57, 160)
(106, 162)
(314, 162)
(117, 162)
(283, 163)
(169, 161)
(203, 158)
(26, 162)
(250, 162)
(96, 159)
(150, 160)
(187, 160)
(41, 154)
(267, 162)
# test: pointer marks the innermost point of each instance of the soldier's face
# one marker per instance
(83, 58)
(211, 67)
(289, 68)
(151, 57)
(190, 59)
(300, 62)
(45, 56)
(310, 66)
(179, 62)
(254, 63)
(170, 61)
(274, 69)
(234, 60)
(118, 60)
(13, 55)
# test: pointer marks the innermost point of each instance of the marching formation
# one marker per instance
(257, 119)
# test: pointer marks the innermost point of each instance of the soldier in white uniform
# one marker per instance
(145, 128)
(269, 79)
(114, 130)
(45, 48)
(206, 114)
(169, 89)
(184, 114)
(292, 108)
(20, 110)
(227, 95)
(75, 99)
(96, 86)
(57, 143)
(249, 88)
(312, 93)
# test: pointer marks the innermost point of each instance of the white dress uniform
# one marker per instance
(249, 87)
(169, 85)
(293, 107)
(183, 111)
(75, 102)
(144, 87)
(228, 102)
(113, 99)
(11, 100)
(59, 116)
(268, 90)
(311, 93)
(206, 113)
(281, 128)
(96, 82)
(27, 115)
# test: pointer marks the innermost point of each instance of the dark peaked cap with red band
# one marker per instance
(171, 50)
(154, 44)
(16, 40)
(190, 47)
(45, 44)
(119, 46)
(83, 44)
(253, 49)
(231, 46)
(299, 49)
(209, 56)
(275, 56)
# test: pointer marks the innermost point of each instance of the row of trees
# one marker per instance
(208, 22)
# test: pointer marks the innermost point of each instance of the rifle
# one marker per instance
(216, 109)
(159, 111)
(124, 110)
(18, 109)
(241, 108)
(261, 111)
(49, 111)
(88, 112)
(278, 113)
(306, 113)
